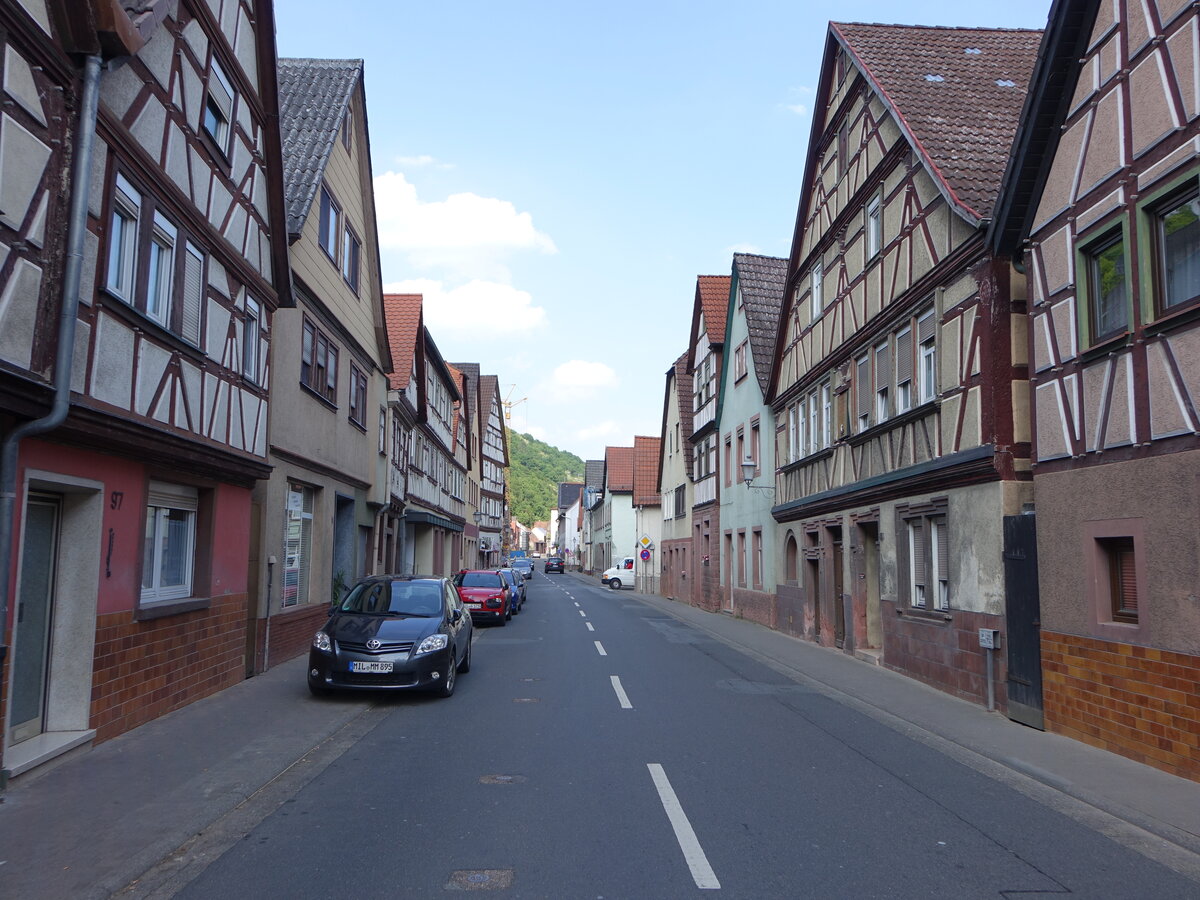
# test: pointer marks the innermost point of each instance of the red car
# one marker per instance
(486, 595)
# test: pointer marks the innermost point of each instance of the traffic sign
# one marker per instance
(645, 555)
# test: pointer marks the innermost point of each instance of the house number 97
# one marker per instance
(114, 501)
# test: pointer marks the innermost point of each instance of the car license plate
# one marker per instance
(475, 605)
(378, 668)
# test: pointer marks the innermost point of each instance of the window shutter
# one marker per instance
(917, 531)
(862, 387)
(943, 551)
(193, 292)
(883, 368)
(925, 328)
(174, 496)
(904, 356)
(1127, 579)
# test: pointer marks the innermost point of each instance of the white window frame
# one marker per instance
(123, 240)
(298, 513)
(252, 340)
(903, 379)
(160, 282)
(817, 289)
(162, 502)
(882, 385)
(222, 105)
(927, 368)
(874, 226)
(826, 415)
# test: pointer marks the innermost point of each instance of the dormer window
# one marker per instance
(218, 107)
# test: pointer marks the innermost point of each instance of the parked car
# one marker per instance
(393, 632)
(524, 566)
(622, 573)
(486, 595)
(553, 564)
(516, 585)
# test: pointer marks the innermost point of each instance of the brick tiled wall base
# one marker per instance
(945, 655)
(1139, 702)
(790, 618)
(143, 670)
(292, 632)
(755, 606)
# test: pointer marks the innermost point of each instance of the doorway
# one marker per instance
(868, 535)
(35, 616)
(837, 584)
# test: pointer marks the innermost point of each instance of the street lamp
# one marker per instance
(478, 517)
(748, 467)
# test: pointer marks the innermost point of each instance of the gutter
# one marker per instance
(68, 314)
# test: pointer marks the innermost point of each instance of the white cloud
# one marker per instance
(799, 109)
(604, 429)
(413, 162)
(465, 232)
(475, 309)
(580, 374)
(536, 431)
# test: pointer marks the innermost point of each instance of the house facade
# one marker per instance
(324, 513)
(675, 485)
(128, 485)
(705, 350)
(613, 522)
(647, 514)
(592, 498)
(1102, 208)
(747, 428)
(899, 366)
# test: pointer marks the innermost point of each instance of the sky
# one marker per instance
(554, 176)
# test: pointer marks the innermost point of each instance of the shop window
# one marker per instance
(297, 545)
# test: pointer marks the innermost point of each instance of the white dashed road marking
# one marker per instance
(693, 853)
(589, 625)
(600, 648)
(582, 613)
(577, 604)
(622, 697)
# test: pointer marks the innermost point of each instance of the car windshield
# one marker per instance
(395, 598)
(481, 579)
(509, 575)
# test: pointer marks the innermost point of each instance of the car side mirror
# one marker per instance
(456, 616)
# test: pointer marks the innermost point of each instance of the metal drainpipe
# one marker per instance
(81, 170)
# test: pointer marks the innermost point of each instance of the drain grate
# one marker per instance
(480, 880)
(503, 779)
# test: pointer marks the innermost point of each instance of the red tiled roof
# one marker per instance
(402, 313)
(618, 463)
(645, 470)
(957, 92)
(713, 293)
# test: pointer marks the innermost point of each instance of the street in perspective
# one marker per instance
(628, 451)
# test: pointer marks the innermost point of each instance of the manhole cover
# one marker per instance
(503, 779)
(480, 880)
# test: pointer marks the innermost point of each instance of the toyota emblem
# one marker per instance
(373, 644)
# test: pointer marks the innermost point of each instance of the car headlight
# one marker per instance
(321, 642)
(432, 643)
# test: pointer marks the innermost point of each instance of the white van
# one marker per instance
(619, 574)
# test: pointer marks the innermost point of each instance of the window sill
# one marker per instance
(316, 395)
(806, 460)
(932, 617)
(917, 412)
(162, 608)
(1183, 315)
(1105, 347)
(361, 426)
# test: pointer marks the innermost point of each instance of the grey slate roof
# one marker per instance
(593, 474)
(313, 94)
(761, 279)
(568, 493)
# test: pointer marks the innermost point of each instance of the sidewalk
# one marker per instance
(201, 777)
(1107, 791)
(102, 817)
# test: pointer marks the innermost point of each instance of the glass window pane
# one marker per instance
(1180, 236)
(1109, 307)
(176, 548)
(148, 545)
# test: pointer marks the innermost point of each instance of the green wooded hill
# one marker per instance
(535, 469)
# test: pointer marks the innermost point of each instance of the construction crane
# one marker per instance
(509, 403)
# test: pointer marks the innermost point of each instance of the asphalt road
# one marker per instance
(600, 748)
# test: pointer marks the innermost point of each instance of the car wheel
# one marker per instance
(504, 619)
(465, 665)
(445, 687)
(615, 583)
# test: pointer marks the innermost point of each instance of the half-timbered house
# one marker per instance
(1102, 208)
(319, 513)
(706, 342)
(424, 390)
(675, 484)
(168, 254)
(902, 439)
(493, 484)
(747, 427)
